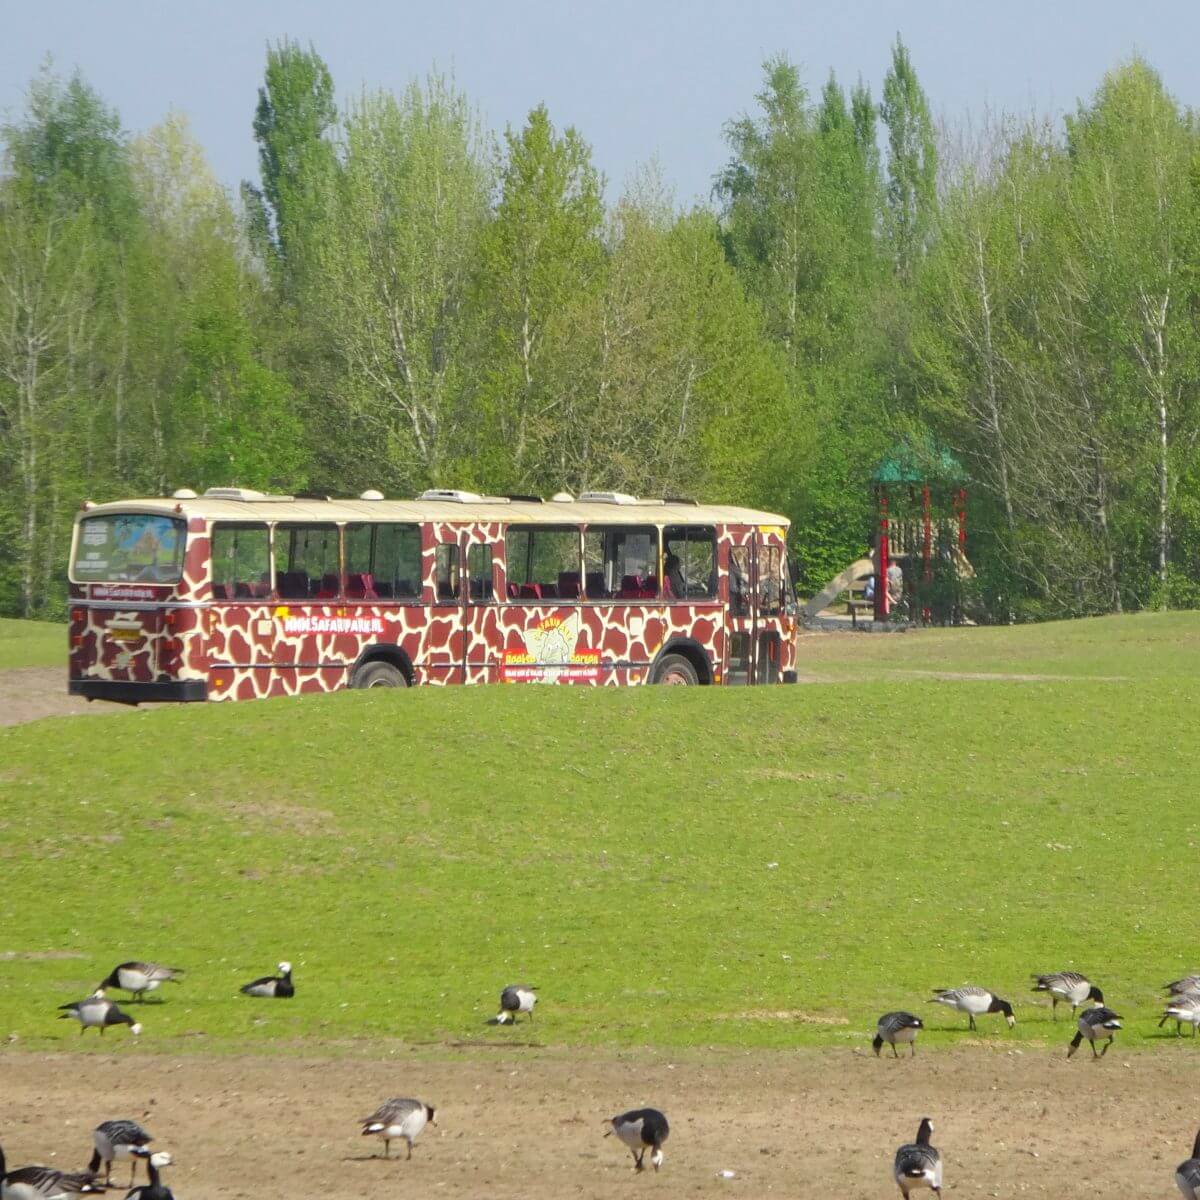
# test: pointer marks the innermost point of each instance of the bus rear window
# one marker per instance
(129, 548)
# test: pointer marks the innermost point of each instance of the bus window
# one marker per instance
(695, 549)
(447, 573)
(241, 562)
(479, 573)
(395, 561)
(621, 562)
(739, 581)
(542, 564)
(769, 590)
(306, 562)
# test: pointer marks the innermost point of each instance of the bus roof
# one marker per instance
(626, 511)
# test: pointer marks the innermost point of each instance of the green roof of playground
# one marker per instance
(920, 463)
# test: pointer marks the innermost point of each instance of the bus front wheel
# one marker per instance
(379, 674)
(675, 669)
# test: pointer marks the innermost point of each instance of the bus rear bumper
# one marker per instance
(123, 692)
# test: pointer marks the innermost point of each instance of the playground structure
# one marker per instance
(920, 521)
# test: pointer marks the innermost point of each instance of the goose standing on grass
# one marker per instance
(94, 1012)
(918, 1164)
(1182, 987)
(274, 987)
(1068, 986)
(155, 1189)
(138, 978)
(1096, 1024)
(516, 998)
(896, 1027)
(398, 1118)
(974, 1001)
(43, 1183)
(641, 1129)
(1187, 1174)
(118, 1140)
(1183, 1008)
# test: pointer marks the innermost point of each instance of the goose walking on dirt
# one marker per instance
(272, 987)
(1097, 1024)
(398, 1118)
(974, 1001)
(1183, 1008)
(516, 998)
(1068, 986)
(1187, 1174)
(95, 1012)
(43, 1183)
(896, 1027)
(918, 1164)
(118, 1140)
(155, 1189)
(641, 1129)
(138, 978)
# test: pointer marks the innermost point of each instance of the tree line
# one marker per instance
(404, 300)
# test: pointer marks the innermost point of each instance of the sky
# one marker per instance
(640, 80)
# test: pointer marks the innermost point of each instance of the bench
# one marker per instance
(856, 602)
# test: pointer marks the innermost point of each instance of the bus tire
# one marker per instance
(378, 674)
(675, 669)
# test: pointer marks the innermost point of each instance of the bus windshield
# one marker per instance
(129, 548)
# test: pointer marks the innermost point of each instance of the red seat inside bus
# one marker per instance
(328, 589)
(568, 585)
(635, 588)
(292, 585)
(361, 586)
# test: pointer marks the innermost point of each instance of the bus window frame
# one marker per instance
(416, 598)
(270, 595)
(606, 527)
(534, 528)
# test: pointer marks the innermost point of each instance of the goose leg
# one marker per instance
(1054, 1008)
(912, 1049)
(387, 1147)
(409, 1141)
(895, 1052)
(971, 1019)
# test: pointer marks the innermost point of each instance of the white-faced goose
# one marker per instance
(918, 1164)
(1187, 1174)
(138, 978)
(115, 1140)
(1097, 1024)
(516, 998)
(1068, 986)
(641, 1129)
(398, 1118)
(95, 1012)
(974, 1001)
(44, 1183)
(896, 1027)
(273, 987)
(155, 1189)
(1183, 1008)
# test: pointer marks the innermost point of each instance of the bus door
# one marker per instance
(482, 641)
(741, 642)
(769, 607)
(442, 661)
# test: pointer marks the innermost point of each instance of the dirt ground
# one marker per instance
(529, 1123)
(29, 693)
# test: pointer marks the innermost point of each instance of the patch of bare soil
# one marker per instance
(529, 1124)
(30, 693)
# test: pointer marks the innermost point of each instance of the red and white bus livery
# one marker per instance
(235, 594)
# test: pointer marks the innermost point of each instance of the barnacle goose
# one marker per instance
(918, 1164)
(641, 1129)
(115, 1140)
(896, 1027)
(1093, 1024)
(43, 1183)
(1185, 1007)
(140, 977)
(1184, 986)
(1069, 987)
(155, 1189)
(398, 1118)
(1187, 1174)
(974, 1001)
(94, 1012)
(516, 998)
(277, 987)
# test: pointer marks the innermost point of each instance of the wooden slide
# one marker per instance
(859, 569)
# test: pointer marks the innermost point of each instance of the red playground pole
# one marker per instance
(881, 591)
(926, 552)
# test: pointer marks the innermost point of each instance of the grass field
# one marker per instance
(769, 867)
(32, 644)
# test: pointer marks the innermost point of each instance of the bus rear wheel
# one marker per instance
(379, 674)
(676, 670)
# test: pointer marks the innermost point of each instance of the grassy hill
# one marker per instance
(683, 868)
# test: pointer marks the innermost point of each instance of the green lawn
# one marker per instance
(670, 867)
(32, 644)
